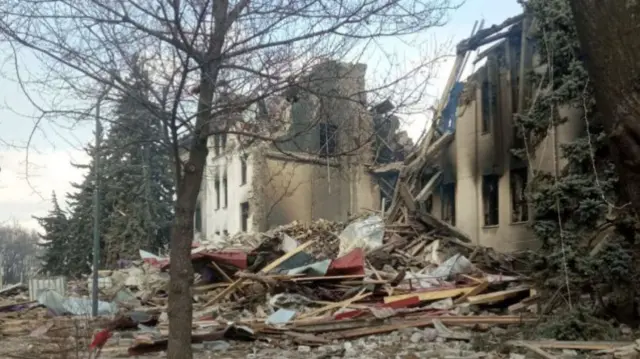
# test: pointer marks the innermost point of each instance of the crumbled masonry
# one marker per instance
(362, 290)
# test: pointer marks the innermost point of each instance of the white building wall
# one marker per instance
(218, 219)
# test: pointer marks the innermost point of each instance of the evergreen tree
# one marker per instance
(572, 209)
(81, 218)
(136, 189)
(139, 184)
(55, 260)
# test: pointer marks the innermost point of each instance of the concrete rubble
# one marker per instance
(366, 289)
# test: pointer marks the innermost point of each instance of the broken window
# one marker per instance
(490, 200)
(198, 217)
(216, 184)
(519, 205)
(243, 169)
(449, 203)
(244, 216)
(216, 144)
(225, 188)
(328, 139)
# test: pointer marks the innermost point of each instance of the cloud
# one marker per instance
(26, 191)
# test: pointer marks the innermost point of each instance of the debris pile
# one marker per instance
(300, 285)
(310, 283)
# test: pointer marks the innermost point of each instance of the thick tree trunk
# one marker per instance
(181, 269)
(609, 34)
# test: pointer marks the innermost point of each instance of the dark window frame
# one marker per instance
(216, 144)
(216, 185)
(328, 139)
(519, 203)
(491, 200)
(449, 203)
(244, 216)
(225, 187)
(243, 169)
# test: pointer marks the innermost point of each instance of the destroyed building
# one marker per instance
(476, 182)
(318, 170)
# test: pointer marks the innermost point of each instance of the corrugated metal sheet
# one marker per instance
(59, 284)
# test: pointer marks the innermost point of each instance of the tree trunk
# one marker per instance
(610, 43)
(181, 269)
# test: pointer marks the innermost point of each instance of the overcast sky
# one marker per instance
(54, 147)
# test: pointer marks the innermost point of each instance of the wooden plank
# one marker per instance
(576, 345)
(286, 256)
(539, 352)
(523, 62)
(407, 198)
(496, 296)
(481, 36)
(429, 187)
(330, 324)
(431, 295)
(336, 305)
(432, 221)
(420, 323)
(328, 277)
(477, 290)
(523, 304)
(224, 275)
(230, 289)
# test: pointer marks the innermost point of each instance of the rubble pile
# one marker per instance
(322, 286)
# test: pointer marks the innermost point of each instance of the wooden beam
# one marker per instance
(477, 290)
(577, 345)
(429, 187)
(472, 42)
(442, 225)
(431, 295)
(523, 58)
(539, 352)
(273, 265)
(407, 198)
(431, 152)
(496, 296)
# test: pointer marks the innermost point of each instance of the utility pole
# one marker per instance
(96, 208)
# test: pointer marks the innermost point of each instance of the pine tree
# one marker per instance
(136, 188)
(572, 209)
(140, 180)
(55, 260)
(81, 218)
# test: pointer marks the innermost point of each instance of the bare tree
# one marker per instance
(210, 61)
(18, 253)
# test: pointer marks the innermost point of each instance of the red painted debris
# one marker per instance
(157, 263)
(100, 339)
(351, 263)
(236, 259)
